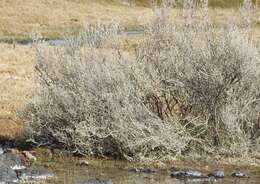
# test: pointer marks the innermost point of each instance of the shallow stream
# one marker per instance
(68, 172)
(60, 41)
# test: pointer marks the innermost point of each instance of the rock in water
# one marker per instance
(12, 161)
(29, 156)
(96, 181)
(217, 174)
(1, 149)
(239, 174)
(7, 175)
(186, 173)
(149, 170)
(34, 173)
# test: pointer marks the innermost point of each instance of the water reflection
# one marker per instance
(115, 171)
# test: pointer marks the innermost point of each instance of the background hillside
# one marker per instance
(53, 17)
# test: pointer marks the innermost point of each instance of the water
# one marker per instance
(56, 42)
(60, 41)
(68, 173)
(133, 33)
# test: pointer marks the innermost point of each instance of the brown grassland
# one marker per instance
(16, 69)
(52, 17)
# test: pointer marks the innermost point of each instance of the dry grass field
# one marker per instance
(16, 67)
(52, 17)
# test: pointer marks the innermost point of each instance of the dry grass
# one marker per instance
(16, 67)
(53, 17)
(19, 17)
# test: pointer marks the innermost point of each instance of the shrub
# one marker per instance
(192, 86)
(90, 101)
(211, 73)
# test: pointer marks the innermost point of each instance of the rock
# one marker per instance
(34, 173)
(96, 181)
(239, 174)
(1, 149)
(12, 151)
(83, 163)
(7, 174)
(12, 161)
(217, 174)
(148, 170)
(5, 146)
(186, 173)
(29, 156)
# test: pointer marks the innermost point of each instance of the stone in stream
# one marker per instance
(7, 175)
(148, 170)
(186, 173)
(12, 161)
(29, 156)
(34, 173)
(5, 145)
(239, 174)
(96, 181)
(1, 149)
(217, 174)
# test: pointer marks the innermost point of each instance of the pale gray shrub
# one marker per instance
(93, 35)
(192, 86)
(212, 72)
(90, 101)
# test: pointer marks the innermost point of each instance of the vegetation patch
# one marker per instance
(190, 88)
